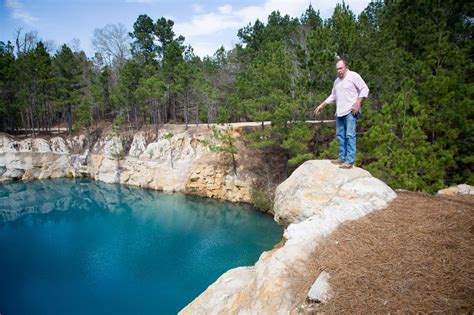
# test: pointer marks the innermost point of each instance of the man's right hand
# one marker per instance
(318, 109)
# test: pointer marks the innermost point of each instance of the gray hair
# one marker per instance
(345, 62)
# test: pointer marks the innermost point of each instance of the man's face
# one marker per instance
(341, 69)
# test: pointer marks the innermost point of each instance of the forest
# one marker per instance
(416, 129)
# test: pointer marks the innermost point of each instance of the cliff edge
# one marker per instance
(174, 159)
(313, 201)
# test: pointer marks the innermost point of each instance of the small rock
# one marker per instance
(462, 189)
(319, 291)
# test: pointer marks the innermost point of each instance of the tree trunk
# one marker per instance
(186, 109)
(69, 119)
(135, 114)
(197, 114)
(174, 108)
(234, 164)
(32, 124)
(208, 111)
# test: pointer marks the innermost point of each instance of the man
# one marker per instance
(349, 92)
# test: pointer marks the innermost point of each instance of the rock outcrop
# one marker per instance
(174, 160)
(314, 201)
(35, 158)
(321, 185)
(462, 189)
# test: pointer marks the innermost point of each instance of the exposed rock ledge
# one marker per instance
(314, 200)
(182, 163)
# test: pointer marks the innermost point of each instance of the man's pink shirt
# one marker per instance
(346, 91)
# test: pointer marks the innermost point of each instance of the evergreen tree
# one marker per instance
(68, 73)
(144, 48)
(9, 111)
(124, 96)
(151, 93)
(223, 141)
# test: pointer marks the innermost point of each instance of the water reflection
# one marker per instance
(96, 248)
(21, 198)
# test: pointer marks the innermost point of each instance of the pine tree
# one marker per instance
(68, 72)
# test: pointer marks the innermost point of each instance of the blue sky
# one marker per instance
(206, 24)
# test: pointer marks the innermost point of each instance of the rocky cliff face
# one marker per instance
(172, 160)
(314, 201)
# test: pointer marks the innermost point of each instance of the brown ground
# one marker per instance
(417, 255)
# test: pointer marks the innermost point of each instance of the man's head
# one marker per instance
(341, 68)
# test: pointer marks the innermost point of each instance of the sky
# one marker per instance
(205, 24)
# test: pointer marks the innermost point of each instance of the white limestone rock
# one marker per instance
(138, 145)
(31, 165)
(104, 168)
(40, 145)
(33, 158)
(320, 184)
(462, 189)
(77, 144)
(319, 291)
(113, 148)
(58, 145)
(7, 143)
(158, 151)
(34, 145)
(153, 161)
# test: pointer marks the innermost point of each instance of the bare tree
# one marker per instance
(50, 45)
(75, 45)
(25, 44)
(113, 43)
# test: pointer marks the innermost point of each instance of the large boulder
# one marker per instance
(317, 185)
(314, 201)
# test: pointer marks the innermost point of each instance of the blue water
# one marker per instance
(85, 247)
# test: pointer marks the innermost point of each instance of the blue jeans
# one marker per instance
(346, 134)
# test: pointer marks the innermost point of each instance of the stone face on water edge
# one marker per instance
(314, 201)
(182, 163)
(33, 165)
(212, 180)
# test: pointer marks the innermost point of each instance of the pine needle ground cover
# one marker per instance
(417, 255)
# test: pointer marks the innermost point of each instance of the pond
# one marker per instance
(85, 247)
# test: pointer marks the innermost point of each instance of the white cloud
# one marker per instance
(207, 24)
(204, 31)
(198, 8)
(206, 48)
(225, 9)
(293, 8)
(20, 13)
